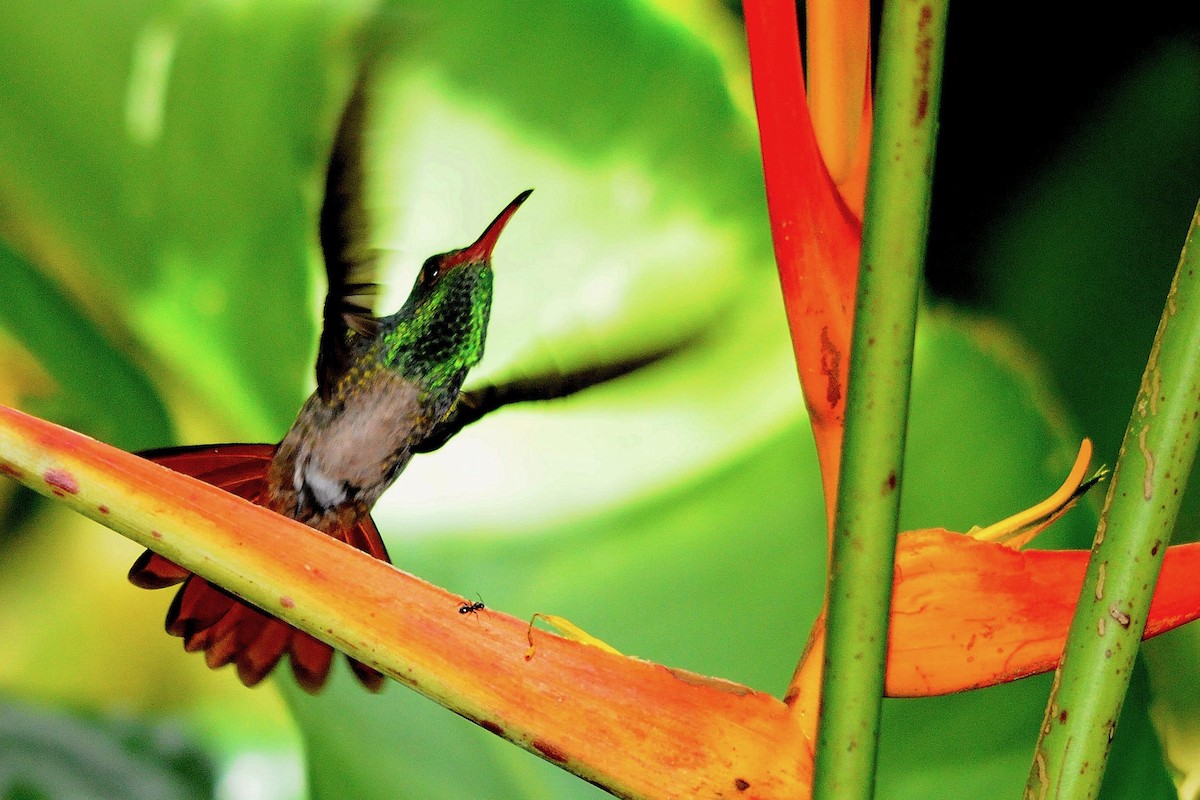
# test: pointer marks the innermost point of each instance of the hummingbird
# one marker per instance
(387, 388)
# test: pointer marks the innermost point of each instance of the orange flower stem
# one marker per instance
(1148, 483)
(637, 729)
(868, 499)
(839, 36)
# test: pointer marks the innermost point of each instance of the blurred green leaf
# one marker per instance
(1081, 263)
(101, 390)
(171, 180)
(54, 755)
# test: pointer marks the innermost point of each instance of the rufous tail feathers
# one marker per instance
(227, 629)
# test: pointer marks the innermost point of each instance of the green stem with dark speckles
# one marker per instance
(1139, 513)
(868, 502)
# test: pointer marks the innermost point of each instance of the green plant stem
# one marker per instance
(868, 501)
(1139, 513)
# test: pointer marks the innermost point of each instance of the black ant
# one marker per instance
(471, 608)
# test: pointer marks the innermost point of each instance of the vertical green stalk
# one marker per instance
(868, 502)
(1139, 513)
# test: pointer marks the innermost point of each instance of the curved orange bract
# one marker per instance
(967, 614)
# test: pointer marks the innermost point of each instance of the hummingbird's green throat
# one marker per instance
(400, 377)
(440, 331)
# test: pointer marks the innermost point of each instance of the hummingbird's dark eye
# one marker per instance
(429, 270)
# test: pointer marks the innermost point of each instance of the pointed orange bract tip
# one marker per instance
(968, 614)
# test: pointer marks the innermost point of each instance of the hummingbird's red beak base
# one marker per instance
(481, 250)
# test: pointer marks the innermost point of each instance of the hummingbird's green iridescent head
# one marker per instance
(439, 332)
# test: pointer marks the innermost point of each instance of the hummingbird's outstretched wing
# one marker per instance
(474, 404)
(343, 230)
(208, 618)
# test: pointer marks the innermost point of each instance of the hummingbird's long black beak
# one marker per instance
(481, 250)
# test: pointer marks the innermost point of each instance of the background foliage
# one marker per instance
(159, 176)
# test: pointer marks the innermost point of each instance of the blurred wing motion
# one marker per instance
(349, 261)
(206, 616)
(227, 629)
(474, 404)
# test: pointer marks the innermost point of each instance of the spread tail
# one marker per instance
(227, 629)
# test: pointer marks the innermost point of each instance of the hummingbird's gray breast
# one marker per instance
(346, 453)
